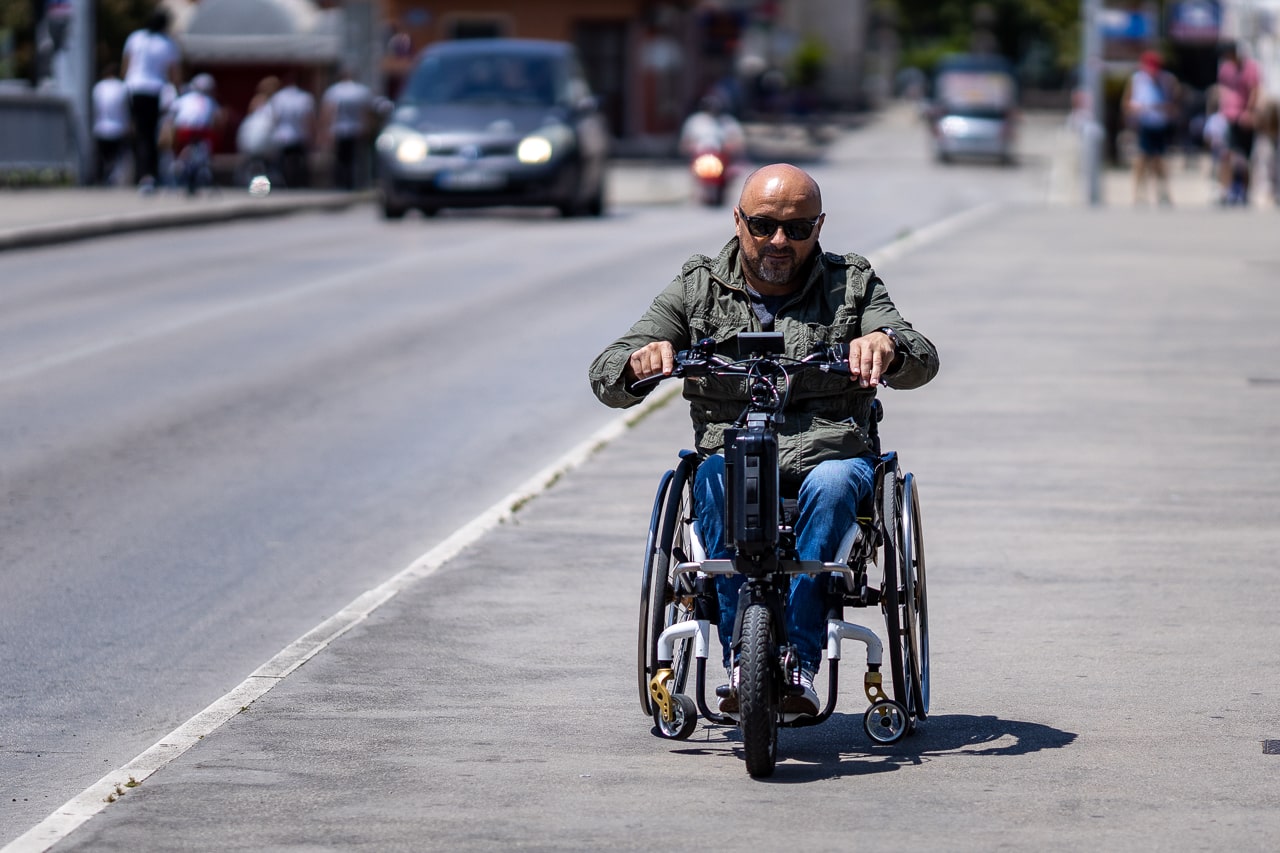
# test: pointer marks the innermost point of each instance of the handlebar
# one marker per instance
(703, 360)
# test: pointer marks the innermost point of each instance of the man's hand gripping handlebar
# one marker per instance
(658, 361)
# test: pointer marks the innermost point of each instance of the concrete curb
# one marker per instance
(99, 226)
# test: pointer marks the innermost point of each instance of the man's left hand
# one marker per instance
(870, 358)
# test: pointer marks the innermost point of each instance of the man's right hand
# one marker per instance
(652, 359)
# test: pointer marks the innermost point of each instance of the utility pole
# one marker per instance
(83, 69)
(1091, 84)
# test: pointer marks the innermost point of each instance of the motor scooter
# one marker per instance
(711, 171)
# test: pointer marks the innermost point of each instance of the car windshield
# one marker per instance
(484, 79)
(975, 92)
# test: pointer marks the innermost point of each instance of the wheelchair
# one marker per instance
(882, 565)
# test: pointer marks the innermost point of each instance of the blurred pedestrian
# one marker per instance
(1150, 106)
(253, 136)
(293, 112)
(110, 123)
(345, 116)
(1238, 93)
(151, 60)
(195, 118)
(1269, 127)
(1216, 133)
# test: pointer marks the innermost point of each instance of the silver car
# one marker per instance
(488, 122)
(974, 109)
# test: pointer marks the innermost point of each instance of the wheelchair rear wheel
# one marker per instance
(917, 608)
(906, 614)
(665, 600)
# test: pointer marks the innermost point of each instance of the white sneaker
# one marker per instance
(805, 702)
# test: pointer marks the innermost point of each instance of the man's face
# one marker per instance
(777, 255)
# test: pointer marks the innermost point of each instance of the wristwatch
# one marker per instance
(893, 337)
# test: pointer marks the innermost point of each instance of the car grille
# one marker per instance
(473, 150)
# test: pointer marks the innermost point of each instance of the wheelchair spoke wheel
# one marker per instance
(646, 592)
(662, 607)
(892, 594)
(915, 601)
(757, 694)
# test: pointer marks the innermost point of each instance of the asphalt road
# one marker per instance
(215, 438)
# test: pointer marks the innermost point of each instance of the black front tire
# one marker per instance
(757, 693)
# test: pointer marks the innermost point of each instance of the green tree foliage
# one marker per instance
(17, 17)
(115, 19)
(1040, 36)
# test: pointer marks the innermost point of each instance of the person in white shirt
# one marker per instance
(110, 123)
(195, 115)
(345, 109)
(294, 111)
(712, 128)
(151, 60)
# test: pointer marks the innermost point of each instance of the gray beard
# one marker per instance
(774, 270)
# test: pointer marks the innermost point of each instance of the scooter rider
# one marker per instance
(712, 128)
(773, 276)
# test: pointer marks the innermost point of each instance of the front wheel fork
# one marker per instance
(660, 695)
(872, 684)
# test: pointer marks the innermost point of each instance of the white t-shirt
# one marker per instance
(348, 102)
(193, 111)
(1148, 98)
(720, 133)
(110, 108)
(294, 112)
(150, 56)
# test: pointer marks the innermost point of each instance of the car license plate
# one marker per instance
(471, 179)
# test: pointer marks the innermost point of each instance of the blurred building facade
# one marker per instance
(648, 60)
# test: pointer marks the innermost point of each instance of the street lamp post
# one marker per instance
(1091, 84)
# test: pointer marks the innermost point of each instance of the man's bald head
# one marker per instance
(777, 201)
(782, 191)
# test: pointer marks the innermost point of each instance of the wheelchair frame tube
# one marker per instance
(838, 630)
(699, 629)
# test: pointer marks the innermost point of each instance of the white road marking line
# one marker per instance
(92, 800)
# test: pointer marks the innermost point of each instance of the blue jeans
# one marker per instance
(827, 508)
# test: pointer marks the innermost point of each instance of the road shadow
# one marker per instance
(839, 747)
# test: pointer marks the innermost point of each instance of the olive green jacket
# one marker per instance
(827, 416)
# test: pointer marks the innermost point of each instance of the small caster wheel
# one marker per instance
(686, 719)
(886, 721)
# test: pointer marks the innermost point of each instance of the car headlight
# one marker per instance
(534, 149)
(412, 149)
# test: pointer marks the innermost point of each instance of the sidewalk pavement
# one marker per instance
(33, 217)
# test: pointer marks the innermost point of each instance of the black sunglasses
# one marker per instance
(795, 229)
